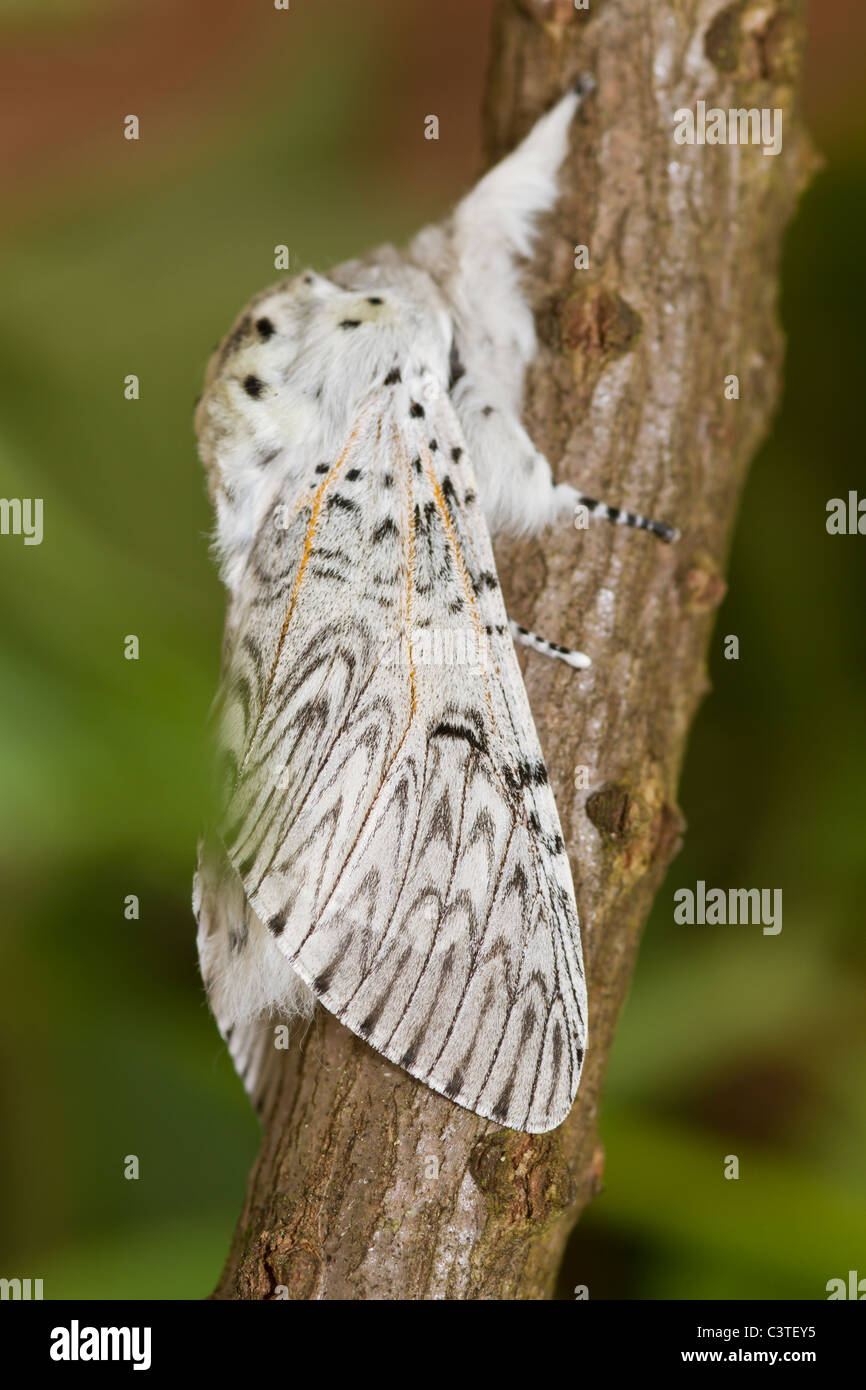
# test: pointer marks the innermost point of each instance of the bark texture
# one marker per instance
(368, 1185)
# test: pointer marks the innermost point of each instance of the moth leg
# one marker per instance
(579, 660)
(618, 516)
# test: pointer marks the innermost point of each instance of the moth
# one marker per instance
(390, 845)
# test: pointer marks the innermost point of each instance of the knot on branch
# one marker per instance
(295, 1267)
(746, 40)
(723, 39)
(615, 812)
(596, 325)
(704, 586)
(642, 827)
(525, 1177)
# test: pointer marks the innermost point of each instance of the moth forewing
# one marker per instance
(392, 825)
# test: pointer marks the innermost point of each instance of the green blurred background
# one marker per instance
(306, 128)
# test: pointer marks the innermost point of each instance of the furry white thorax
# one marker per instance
(455, 297)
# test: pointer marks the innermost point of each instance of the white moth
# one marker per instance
(391, 846)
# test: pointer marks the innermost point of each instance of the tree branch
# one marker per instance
(368, 1185)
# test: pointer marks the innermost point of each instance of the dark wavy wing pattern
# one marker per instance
(392, 821)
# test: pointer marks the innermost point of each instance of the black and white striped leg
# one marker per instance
(618, 517)
(540, 644)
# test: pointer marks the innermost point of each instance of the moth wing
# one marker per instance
(225, 924)
(391, 822)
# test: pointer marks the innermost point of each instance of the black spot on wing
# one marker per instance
(320, 572)
(365, 1028)
(235, 338)
(454, 1086)
(500, 1109)
(456, 368)
(345, 504)
(387, 527)
(530, 774)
